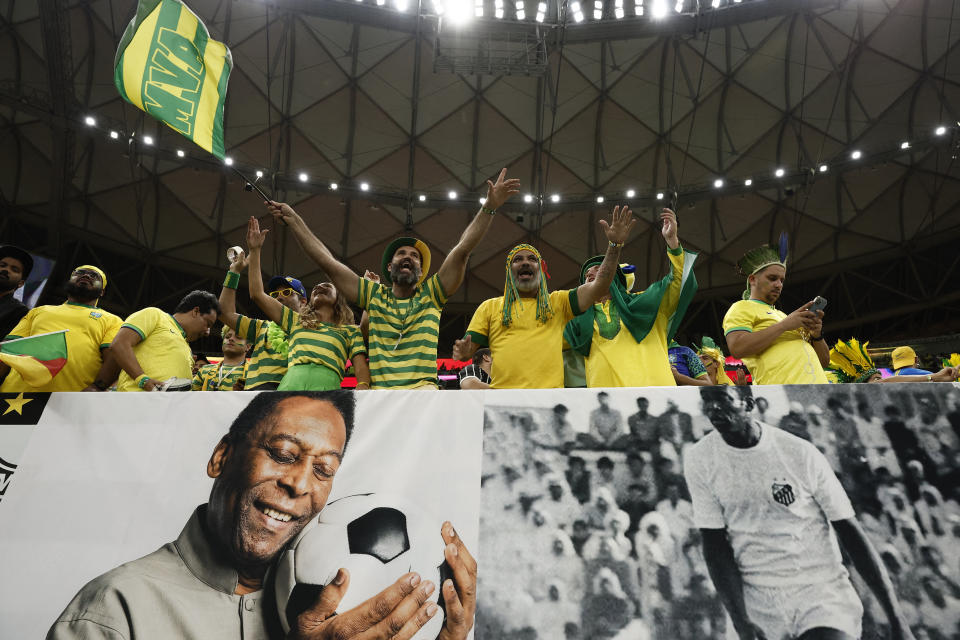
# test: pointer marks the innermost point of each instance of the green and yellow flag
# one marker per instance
(169, 66)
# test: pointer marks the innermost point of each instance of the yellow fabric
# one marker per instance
(163, 351)
(217, 377)
(33, 372)
(789, 360)
(88, 330)
(526, 355)
(622, 361)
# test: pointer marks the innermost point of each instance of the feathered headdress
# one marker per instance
(760, 258)
(952, 361)
(710, 349)
(851, 362)
(511, 294)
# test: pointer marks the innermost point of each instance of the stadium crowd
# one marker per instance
(596, 519)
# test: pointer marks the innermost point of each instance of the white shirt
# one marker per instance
(776, 500)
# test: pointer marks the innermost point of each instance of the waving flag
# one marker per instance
(37, 358)
(168, 66)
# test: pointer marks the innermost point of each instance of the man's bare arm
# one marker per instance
(617, 232)
(725, 573)
(343, 278)
(122, 349)
(747, 343)
(228, 296)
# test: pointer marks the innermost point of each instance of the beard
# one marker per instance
(7, 284)
(84, 294)
(528, 287)
(404, 278)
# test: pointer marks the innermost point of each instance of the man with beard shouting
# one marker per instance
(90, 331)
(404, 310)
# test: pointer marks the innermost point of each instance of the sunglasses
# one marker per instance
(86, 272)
(286, 293)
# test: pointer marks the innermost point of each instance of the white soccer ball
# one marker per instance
(377, 537)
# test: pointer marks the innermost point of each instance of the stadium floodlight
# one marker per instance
(380, 3)
(597, 9)
(779, 173)
(718, 183)
(748, 182)
(905, 145)
(303, 177)
(618, 13)
(458, 11)
(555, 197)
(521, 10)
(577, 11)
(334, 186)
(401, 5)
(478, 8)
(679, 6)
(498, 8)
(940, 130)
(599, 199)
(180, 153)
(541, 11)
(631, 193)
(483, 200)
(364, 186)
(147, 139)
(90, 121)
(855, 154)
(715, 4)
(114, 135)
(528, 198)
(659, 9)
(259, 173)
(660, 195)
(228, 161)
(452, 195)
(423, 198)
(638, 8)
(823, 168)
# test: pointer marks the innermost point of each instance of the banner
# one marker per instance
(108, 478)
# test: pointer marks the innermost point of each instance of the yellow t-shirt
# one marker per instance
(622, 361)
(163, 351)
(789, 360)
(89, 329)
(527, 354)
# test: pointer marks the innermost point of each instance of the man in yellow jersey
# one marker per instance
(524, 327)
(226, 374)
(89, 333)
(404, 310)
(269, 349)
(777, 348)
(153, 346)
(624, 338)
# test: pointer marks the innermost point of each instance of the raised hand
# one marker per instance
(371, 276)
(621, 222)
(669, 230)
(240, 262)
(281, 212)
(255, 237)
(500, 191)
(463, 348)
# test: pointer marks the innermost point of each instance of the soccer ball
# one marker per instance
(377, 537)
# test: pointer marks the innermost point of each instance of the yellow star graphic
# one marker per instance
(16, 404)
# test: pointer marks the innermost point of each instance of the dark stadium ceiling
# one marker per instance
(358, 93)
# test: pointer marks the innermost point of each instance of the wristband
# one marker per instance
(817, 338)
(366, 384)
(615, 245)
(487, 209)
(929, 378)
(142, 380)
(101, 385)
(232, 281)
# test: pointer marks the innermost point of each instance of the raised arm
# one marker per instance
(228, 294)
(723, 570)
(452, 270)
(273, 309)
(747, 343)
(617, 232)
(870, 567)
(343, 278)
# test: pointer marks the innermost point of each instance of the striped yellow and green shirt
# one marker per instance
(403, 333)
(217, 377)
(265, 366)
(328, 345)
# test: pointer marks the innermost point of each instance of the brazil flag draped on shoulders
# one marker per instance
(169, 66)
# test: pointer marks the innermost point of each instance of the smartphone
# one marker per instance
(819, 304)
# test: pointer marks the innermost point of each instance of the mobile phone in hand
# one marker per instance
(819, 304)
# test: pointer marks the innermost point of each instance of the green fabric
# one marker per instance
(638, 311)
(310, 377)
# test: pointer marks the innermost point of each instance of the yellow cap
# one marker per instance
(903, 357)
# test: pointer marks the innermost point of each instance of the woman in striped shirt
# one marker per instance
(321, 337)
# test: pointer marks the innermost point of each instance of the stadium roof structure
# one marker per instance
(837, 121)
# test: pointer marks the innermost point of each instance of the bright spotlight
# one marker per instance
(855, 155)
(597, 9)
(555, 197)
(541, 11)
(659, 9)
(147, 139)
(90, 121)
(748, 182)
(228, 161)
(823, 168)
(483, 200)
(599, 199)
(779, 173)
(631, 193)
(660, 195)
(715, 4)
(303, 177)
(458, 11)
(422, 198)
(180, 153)
(618, 12)
(259, 173)
(114, 135)
(334, 186)
(904, 145)
(679, 6)
(718, 183)
(528, 198)
(401, 5)
(364, 186)
(478, 9)
(521, 10)
(940, 130)
(452, 195)
(577, 12)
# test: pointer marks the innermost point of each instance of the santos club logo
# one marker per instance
(783, 493)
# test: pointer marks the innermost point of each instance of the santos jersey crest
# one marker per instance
(783, 493)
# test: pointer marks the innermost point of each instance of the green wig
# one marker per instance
(511, 295)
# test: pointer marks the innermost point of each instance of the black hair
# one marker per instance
(480, 354)
(202, 300)
(264, 405)
(744, 391)
(604, 461)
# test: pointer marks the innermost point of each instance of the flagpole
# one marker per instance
(39, 335)
(252, 184)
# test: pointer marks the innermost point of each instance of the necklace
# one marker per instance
(221, 374)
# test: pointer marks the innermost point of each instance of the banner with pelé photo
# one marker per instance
(575, 502)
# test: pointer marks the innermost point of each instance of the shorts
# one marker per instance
(785, 613)
(310, 377)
